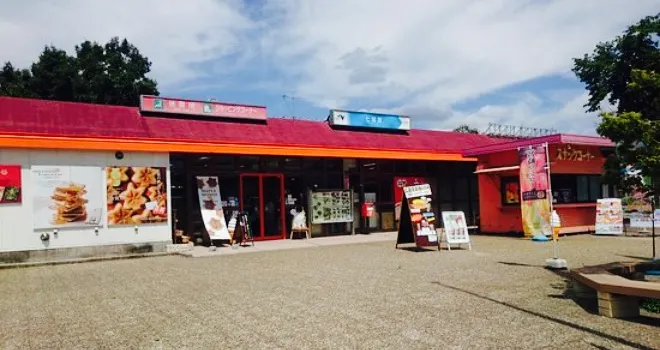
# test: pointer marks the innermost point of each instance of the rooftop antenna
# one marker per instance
(291, 105)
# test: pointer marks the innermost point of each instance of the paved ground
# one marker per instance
(366, 296)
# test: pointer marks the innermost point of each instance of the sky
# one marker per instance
(441, 62)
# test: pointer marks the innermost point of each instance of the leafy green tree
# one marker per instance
(626, 73)
(464, 128)
(114, 73)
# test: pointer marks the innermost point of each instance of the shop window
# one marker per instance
(314, 164)
(444, 190)
(350, 165)
(510, 190)
(333, 164)
(270, 163)
(248, 163)
(369, 166)
(386, 166)
(386, 190)
(335, 180)
(568, 188)
(224, 162)
(462, 188)
(292, 163)
(402, 167)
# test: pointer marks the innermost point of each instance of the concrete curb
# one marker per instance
(82, 260)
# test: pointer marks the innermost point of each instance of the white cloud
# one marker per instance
(425, 55)
(421, 57)
(175, 35)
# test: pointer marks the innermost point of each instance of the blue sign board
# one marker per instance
(369, 120)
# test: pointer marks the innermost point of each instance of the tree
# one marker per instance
(626, 73)
(464, 128)
(114, 73)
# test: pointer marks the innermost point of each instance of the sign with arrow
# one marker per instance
(369, 120)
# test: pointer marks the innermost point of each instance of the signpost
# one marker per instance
(418, 222)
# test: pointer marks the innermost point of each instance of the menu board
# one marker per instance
(331, 206)
(10, 184)
(418, 220)
(609, 217)
(66, 196)
(456, 230)
(136, 195)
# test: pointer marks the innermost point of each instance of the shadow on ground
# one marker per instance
(567, 292)
(573, 325)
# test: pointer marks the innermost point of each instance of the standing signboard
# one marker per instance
(534, 185)
(609, 217)
(210, 205)
(455, 229)
(418, 221)
(399, 184)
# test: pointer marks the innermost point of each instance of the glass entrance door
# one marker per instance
(262, 198)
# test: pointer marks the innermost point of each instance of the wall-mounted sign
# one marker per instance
(369, 120)
(157, 104)
(10, 184)
(574, 154)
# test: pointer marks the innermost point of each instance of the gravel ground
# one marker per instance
(367, 296)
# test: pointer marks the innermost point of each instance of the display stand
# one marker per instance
(243, 231)
(417, 224)
(330, 207)
(455, 230)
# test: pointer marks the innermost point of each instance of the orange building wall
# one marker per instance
(498, 218)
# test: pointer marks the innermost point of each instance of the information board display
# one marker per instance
(609, 217)
(331, 206)
(455, 228)
(418, 220)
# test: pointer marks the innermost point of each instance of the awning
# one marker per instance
(495, 170)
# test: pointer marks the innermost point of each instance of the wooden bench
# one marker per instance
(618, 297)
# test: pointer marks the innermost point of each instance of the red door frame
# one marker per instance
(262, 229)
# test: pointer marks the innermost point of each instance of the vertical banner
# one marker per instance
(399, 184)
(609, 217)
(210, 205)
(535, 205)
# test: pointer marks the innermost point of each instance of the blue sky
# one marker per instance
(443, 63)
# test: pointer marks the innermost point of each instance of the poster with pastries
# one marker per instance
(422, 217)
(66, 196)
(136, 195)
(210, 204)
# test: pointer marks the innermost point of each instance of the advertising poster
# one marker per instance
(10, 184)
(534, 203)
(422, 217)
(399, 184)
(609, 217)
(511, 190)
(456, 230)
(136, 195)
(210, 204)
(67, 196)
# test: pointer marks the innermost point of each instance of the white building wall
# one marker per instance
(16, 226)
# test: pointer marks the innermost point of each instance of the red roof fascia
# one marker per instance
(67, 119)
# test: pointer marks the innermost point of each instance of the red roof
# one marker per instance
(67, 119)
(551, 139)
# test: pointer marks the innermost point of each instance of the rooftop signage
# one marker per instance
(369, 120)
(157, 104)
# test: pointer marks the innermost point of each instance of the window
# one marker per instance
(576, 188)
(510, 190)
(248, 163)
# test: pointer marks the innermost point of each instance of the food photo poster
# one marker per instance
(136, 195)
(66, 196)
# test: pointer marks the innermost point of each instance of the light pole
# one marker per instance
(641, 145)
